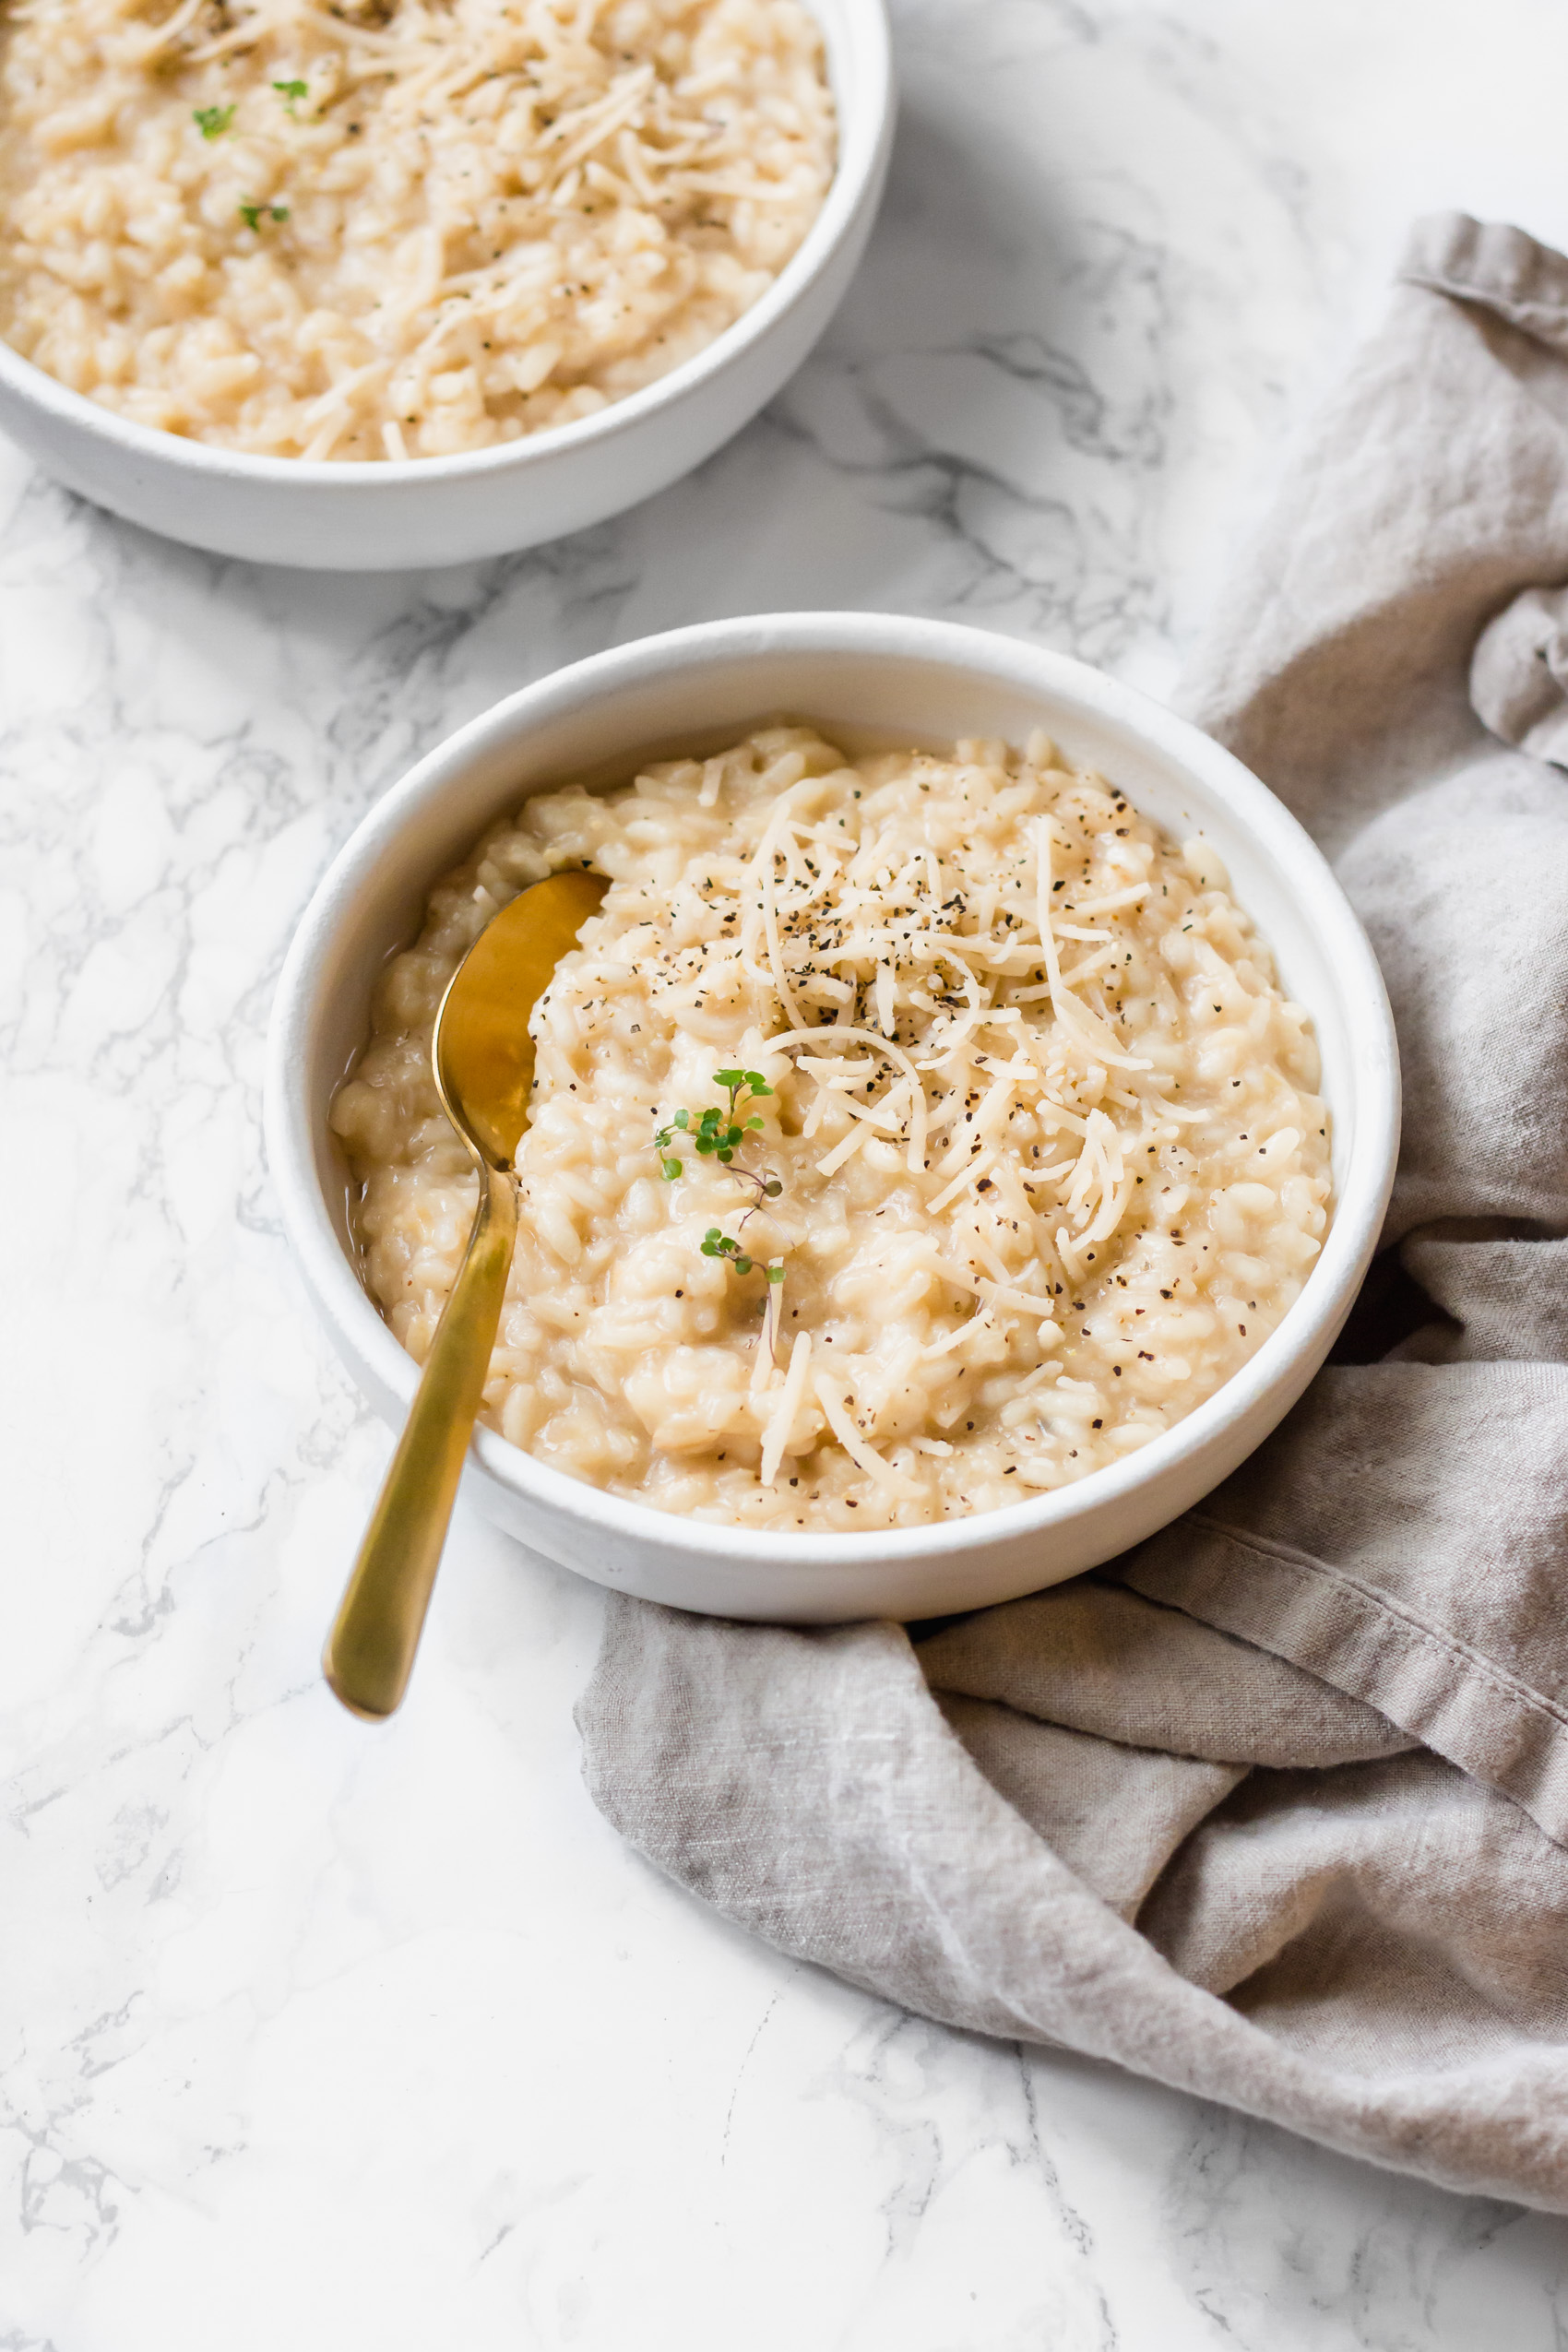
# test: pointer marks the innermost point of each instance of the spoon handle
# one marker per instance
(370, 1648)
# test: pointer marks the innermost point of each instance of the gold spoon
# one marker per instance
(483, 1060)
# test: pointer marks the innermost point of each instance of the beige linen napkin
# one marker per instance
(1275, 1808)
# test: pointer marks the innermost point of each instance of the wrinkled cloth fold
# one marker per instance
(1274, 1809)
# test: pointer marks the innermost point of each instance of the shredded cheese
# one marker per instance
(781, 1420)
(832, 1399)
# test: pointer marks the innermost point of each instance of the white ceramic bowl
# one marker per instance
(452, 510)
(912, 681)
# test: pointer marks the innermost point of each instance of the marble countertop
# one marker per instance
(346, 2040)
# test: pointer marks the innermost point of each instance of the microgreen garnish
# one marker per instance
(212, 121)
(253, 215)
(289, 92)
(717, 1134)
(716, 1244)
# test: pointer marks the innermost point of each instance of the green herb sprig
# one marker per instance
(716, 1244)
(212, 121)
(290, 92)
(718, 1133)
(253, 215)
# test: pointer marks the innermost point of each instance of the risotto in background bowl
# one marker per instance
(982, 948)
(423, 281)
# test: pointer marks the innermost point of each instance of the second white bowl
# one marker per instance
(328, 516)
(919, 682)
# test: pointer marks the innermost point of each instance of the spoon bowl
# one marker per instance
(483, 1055)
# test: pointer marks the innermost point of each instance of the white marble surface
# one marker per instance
(355, 2041)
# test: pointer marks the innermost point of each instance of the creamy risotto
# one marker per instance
(400, 228)
(911, 1135)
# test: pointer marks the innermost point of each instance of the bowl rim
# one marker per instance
(866, 112)
(1310, 1322)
